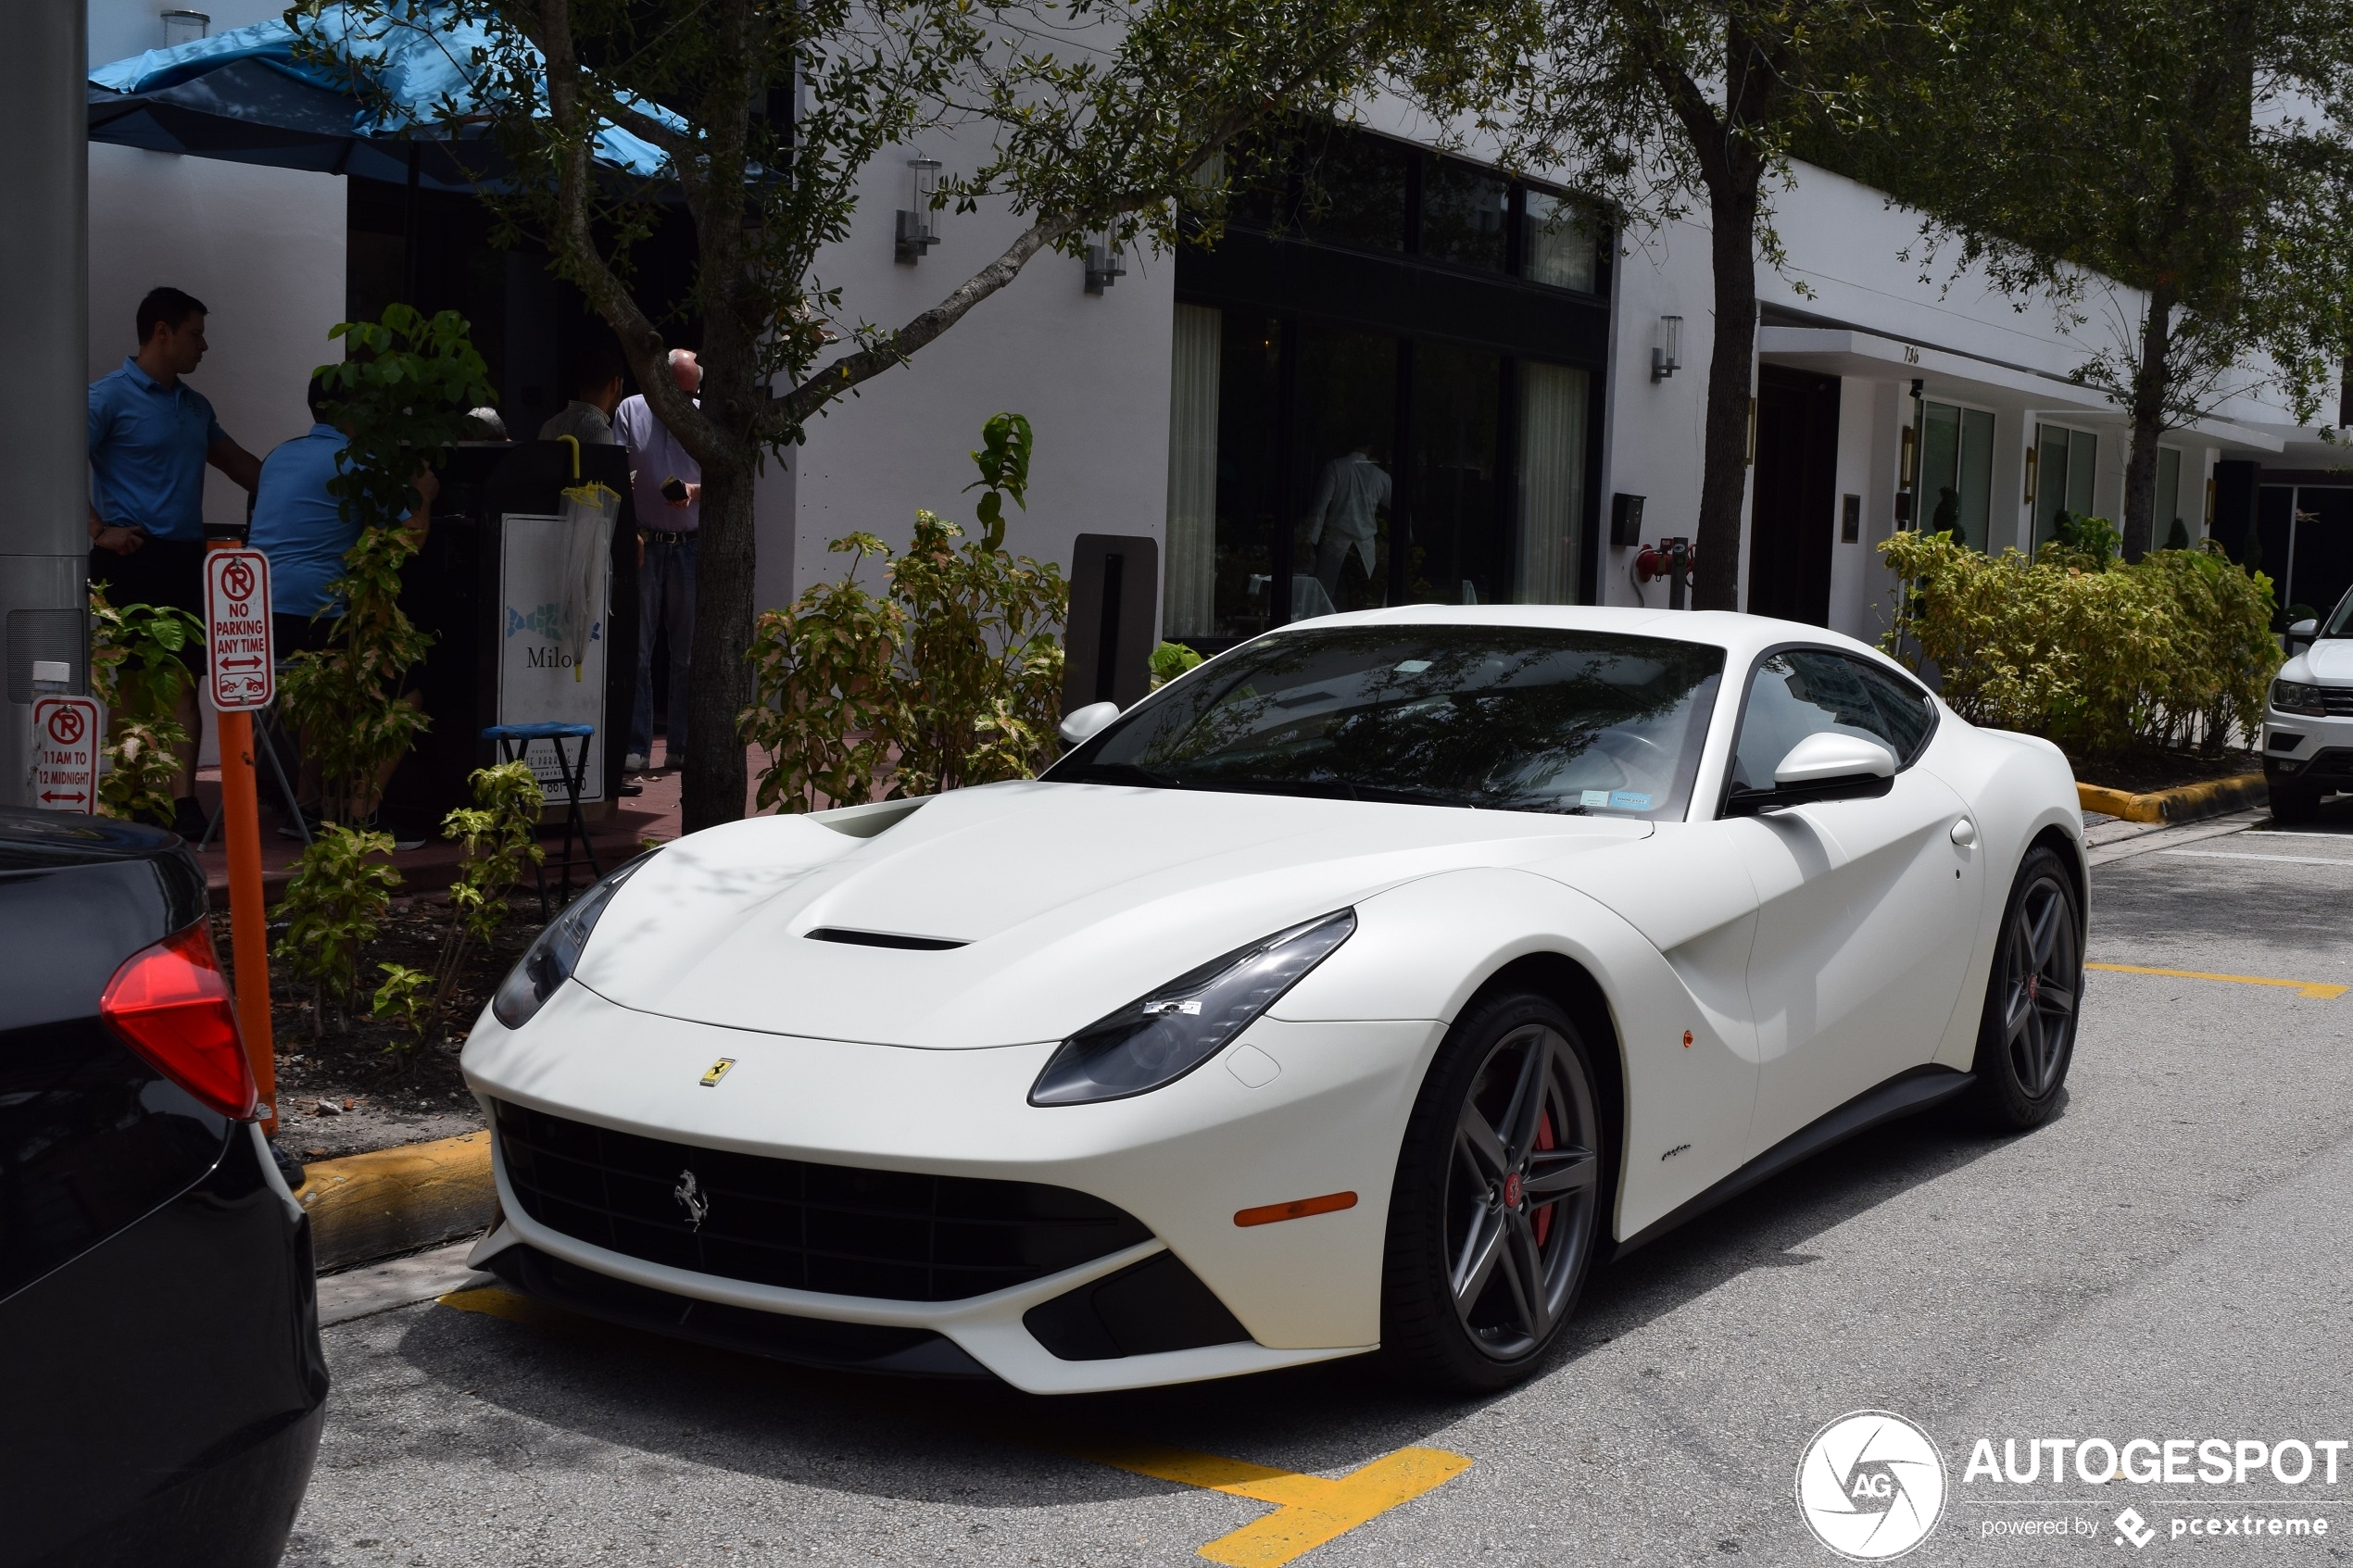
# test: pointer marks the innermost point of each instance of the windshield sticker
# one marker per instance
(1593, 797)
(1628, 800)
(1412, 667)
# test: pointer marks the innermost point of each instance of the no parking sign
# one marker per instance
(65, 754)
(236, 614)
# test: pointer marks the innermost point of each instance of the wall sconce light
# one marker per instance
(1666, 348)
(2034, 469)
(1105, 264)
(185, 27)
(916, 231)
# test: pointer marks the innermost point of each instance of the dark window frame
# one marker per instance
(1748, 687)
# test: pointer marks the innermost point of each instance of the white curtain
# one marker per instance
(1552, 482)
(1189, 605)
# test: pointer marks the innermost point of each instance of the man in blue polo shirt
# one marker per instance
(151, 436)
(301, 528)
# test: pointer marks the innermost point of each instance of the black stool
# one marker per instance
(513, 741)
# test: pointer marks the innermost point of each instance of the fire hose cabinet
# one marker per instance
(533, 623)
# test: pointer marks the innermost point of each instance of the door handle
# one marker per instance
(1964, 832)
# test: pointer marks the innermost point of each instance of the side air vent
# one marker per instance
(883, 939)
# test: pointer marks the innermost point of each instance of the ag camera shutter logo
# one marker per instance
(1871, 1485)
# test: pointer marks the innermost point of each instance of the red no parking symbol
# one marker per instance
(236, 581)
(66, 726)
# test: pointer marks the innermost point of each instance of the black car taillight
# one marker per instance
(170, 1003)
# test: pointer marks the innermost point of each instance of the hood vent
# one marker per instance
(883, 939)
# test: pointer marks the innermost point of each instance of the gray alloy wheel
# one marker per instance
(1519, 1209)
(2028, 1038)
(1499, 1199)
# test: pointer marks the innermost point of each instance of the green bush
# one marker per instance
(2171, 653)
(956, 671)
(135, 670)
(335, 902)
(1170, 661)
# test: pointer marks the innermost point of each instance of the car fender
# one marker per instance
(1688, 1068)
(2017, 787)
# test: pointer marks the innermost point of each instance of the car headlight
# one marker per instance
(556, 952)
(1158, 1038)
(2295, 696)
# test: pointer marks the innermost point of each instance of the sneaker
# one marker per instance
(630, 786)
(634, 764)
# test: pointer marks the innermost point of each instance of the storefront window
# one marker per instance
(2169, 500)
(1458, 554)
(1466, 216)
(1558, 249)
(1553, 412)
(1957, 472)
(1354, 191)
(2066, 463)
(1345, 423)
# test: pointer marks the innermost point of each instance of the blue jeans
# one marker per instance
(665, 598)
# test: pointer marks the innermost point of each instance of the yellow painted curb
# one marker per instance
(370, 1206)
(2186, 804)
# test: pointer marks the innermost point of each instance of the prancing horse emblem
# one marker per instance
(690, 1193)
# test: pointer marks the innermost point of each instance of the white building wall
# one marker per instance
(1090, 371)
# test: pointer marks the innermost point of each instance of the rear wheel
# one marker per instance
(1497, 1204)
(2027, 1039)
(2294, 802)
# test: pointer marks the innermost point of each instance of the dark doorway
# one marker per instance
(1797, 496)
(2306, 533)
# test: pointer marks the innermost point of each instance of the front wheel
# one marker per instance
(1498, 1200)
(2027, 1038)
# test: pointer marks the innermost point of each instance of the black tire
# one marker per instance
(1491, 1192)
(2294, 802)
(2027, 1038)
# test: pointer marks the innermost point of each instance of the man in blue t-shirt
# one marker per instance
(151, 434)
(301, 528)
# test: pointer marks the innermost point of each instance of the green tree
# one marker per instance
(2195, 152)
(771, 116)
(1656, 105)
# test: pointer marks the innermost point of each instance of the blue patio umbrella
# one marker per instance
(252, 95)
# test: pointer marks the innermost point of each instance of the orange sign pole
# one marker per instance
(248, 920)
(248, 923)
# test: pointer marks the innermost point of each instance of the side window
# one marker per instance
(1802, 691)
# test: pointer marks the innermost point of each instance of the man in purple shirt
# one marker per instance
(151, 434)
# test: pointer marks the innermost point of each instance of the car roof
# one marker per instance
(1742, 636)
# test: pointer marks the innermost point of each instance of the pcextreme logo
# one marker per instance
(1871, 1485)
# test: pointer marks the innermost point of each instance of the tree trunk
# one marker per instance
(1730, 376)
(720, 684)
(2151, 380)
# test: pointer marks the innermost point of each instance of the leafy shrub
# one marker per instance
(404, 394)
(499, 835)
(1170, 661)
(2173, 652)
(135, 670)
(956, 671)
(335, 903)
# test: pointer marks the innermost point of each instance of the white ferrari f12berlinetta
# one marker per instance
(1361, 990)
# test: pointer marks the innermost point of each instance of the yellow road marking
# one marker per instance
(2320, 990)
(1309, 1510)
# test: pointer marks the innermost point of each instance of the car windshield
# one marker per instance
(2340, 620)
(1504, 718)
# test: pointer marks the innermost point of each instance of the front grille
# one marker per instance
(2338, 700)
(891, 1234)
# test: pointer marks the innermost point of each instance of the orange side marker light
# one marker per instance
(1687, 1039)
(1297, 1209)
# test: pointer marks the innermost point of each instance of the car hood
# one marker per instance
(2329, 660)
(1069, 901)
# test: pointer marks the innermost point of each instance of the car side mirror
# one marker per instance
(1828, 766)
(2301, 634)
(1087, 721)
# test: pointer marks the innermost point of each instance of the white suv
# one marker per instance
(2308, 726)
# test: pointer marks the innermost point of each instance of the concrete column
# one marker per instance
(43, 319)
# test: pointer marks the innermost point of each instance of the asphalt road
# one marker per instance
(2166, 1258)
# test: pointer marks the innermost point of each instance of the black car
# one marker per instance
(161, 1384)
